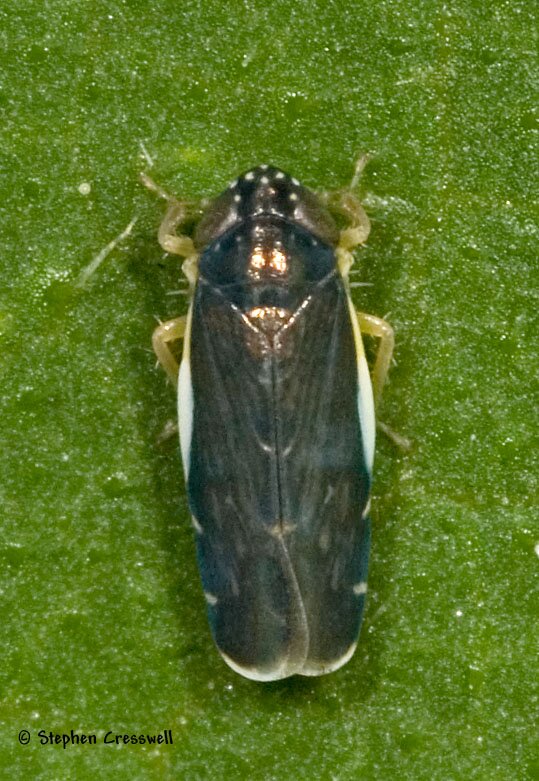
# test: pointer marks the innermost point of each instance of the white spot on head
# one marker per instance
(314, 242)
(367, 509)
(237, 198)
(264, 167)
(359, 588)
(264, 180)
(279, 175)
(294, 181)
(211, 599)
(196, 526)
(293, 197)
(233, 184)
(249, 176)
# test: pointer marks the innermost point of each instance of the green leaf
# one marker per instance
(103, 619)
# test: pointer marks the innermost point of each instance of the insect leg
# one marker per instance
(177, 213)
(347, 204)
(380, 329)
(164, 334)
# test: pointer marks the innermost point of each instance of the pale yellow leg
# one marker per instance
(173, 330)
(347, 204)
(379, 329)
(177, 212)
(164, 334)
(176, 244)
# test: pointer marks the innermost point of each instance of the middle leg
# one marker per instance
(164, 334)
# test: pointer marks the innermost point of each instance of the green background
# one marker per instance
(103, 622)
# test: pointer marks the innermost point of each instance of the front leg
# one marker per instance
(347, 204)
(177, 213)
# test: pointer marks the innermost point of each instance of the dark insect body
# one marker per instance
(277, 425)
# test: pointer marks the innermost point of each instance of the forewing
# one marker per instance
(278, 483)
(254, 605)
(324, 480)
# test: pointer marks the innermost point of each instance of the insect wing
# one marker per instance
(324, 475)
(278, 483)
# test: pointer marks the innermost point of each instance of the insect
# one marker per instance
(276, 418)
